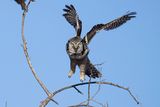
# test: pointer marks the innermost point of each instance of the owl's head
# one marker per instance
(76, 48)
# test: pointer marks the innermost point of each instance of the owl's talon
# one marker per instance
(70, 74)
(82, 76)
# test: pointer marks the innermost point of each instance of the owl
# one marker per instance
(77, 47)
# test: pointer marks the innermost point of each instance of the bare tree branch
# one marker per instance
(89, 91)
(45, 102)
(27, 55)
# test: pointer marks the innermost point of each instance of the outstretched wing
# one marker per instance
(108, 26)
(72, 17)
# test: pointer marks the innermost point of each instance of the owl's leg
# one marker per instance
(72, 68)
(83, 66)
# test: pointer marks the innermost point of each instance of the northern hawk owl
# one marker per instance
(77, 47)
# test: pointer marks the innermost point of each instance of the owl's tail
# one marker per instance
(92, 71)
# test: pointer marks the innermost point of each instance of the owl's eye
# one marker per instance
(71, 48)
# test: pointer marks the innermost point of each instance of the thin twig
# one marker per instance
(27, 55)
(99, 87)
(100, 64)
(133, 96)
(81, 105)
(29, 3)
(89, 91)
(84, 102)
(107, 105)
(6, 104)
(98, 103)
(45, 102)
(78, 90)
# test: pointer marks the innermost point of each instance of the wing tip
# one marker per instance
(131, 14)
(66, 6)
(69, 7)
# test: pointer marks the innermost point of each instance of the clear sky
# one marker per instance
(131, 53)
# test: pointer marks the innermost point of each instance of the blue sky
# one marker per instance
(131, 52)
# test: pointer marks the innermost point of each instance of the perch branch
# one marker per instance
(45, 102)
(27, 55)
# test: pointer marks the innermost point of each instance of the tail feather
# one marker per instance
(92, 71)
